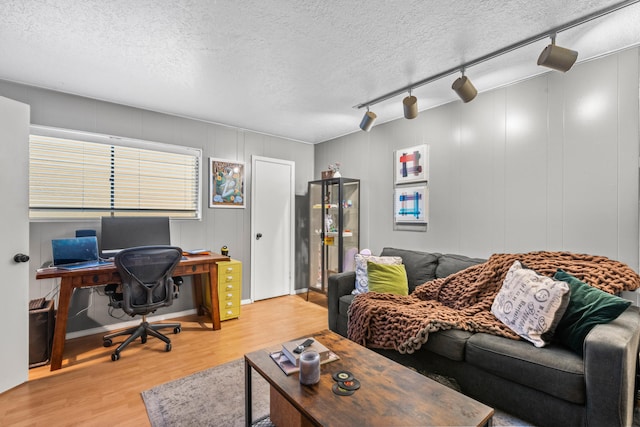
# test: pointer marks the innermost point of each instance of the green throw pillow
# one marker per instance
(390, 279)
(588, 307)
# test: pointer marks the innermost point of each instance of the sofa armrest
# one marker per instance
(610, 358)
(338, 285)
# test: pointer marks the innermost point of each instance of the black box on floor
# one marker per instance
(41, 323)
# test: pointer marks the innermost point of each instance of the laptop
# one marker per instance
(75, 253)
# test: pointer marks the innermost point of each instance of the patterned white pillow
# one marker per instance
(362, 279)
(530, 304)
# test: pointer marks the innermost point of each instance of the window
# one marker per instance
(83, 175)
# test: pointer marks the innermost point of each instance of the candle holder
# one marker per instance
(309, 367)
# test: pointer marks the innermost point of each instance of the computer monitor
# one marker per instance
(121, 232)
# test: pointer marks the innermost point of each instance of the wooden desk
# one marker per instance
(198, 266)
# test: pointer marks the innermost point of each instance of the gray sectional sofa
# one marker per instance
(550, 386)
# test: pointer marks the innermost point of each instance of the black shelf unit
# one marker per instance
(334, 228)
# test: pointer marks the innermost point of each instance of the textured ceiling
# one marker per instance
(293, 69)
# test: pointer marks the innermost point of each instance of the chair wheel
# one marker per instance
(115, 356)
(107, 343)
(177, 330)
(143, 339)
(168, 347)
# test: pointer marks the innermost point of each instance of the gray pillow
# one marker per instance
(531, 304)
(420, 266)
(449, 264)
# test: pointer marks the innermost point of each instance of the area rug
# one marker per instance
(500, 418)
(215, 397)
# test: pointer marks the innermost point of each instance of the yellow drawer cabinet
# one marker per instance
(229, 289)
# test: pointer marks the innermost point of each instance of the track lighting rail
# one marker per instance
(551, 33)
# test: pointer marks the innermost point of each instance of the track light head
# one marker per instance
(410, 106)
(556, 57)
(367, 120)
(464, 88)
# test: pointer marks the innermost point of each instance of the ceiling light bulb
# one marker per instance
(464, 88)
(558, 58)
(410, 105)
(367, 120)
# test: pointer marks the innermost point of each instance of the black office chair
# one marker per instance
(147, 285)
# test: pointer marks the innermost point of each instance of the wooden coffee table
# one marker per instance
(390, 394)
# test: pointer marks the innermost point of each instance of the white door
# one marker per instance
(272, 221)
(14, 229)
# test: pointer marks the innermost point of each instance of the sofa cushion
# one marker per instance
(449, 264)
(588, 307)
(420, 266)
(343, 304)
(449, 343)
(362, 278)
(387, 278)
(530, 304)
(554, 369)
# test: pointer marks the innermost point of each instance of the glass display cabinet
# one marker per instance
(334, 228)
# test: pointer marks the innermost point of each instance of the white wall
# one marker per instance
(550, 163)
(546, 164)
(218, 227)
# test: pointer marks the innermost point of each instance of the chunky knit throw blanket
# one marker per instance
(463, 300)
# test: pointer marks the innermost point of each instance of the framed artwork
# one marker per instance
(411, 164)
(411, 204)
(226, 183)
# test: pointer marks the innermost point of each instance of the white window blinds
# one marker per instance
(79, 175)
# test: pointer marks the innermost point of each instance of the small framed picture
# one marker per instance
(411, 164)
(226, 183)
(411, 204)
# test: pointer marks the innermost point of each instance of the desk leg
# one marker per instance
(215, 301)
(213, 288)
(247, 395)
(59, 334)
(199, 294)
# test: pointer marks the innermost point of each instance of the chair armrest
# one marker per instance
(338, 285)
(610, 358)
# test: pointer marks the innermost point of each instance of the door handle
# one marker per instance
(258, 236)
(21, 258)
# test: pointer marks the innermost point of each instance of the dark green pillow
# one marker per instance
(588, 307)
(390, 279)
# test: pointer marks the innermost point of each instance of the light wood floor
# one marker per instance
(92, 390)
